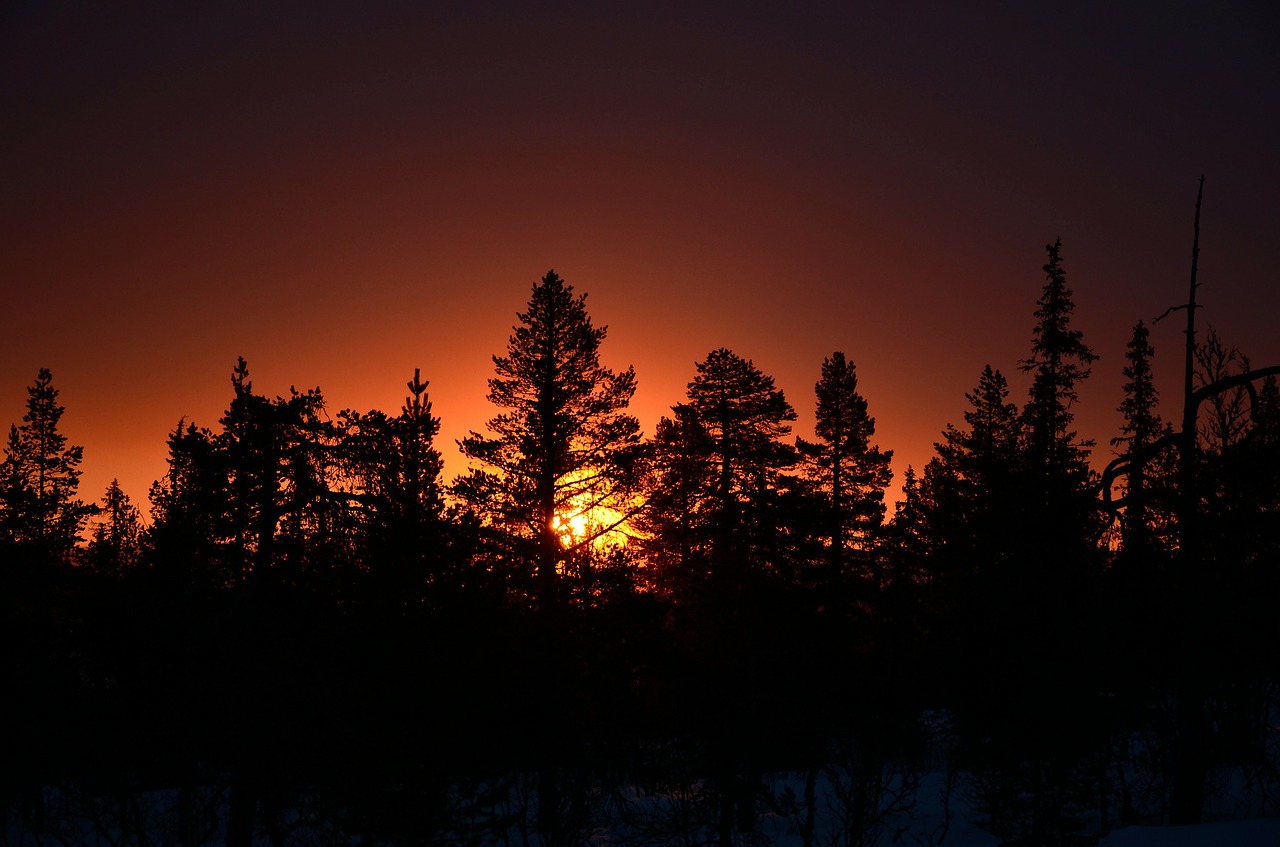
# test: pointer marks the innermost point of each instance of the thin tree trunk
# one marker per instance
(1190, 759)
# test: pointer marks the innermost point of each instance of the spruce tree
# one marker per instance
(116, 539)
(973, 484)
(1140, 429)
(985, 455)
(1059, 361)
(1032, 629)
(39, 511)
(564, 444)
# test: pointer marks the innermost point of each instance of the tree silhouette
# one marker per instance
(564, 443)
(971, 497)
(391, 471)
(848, 470)
(116, 541)
(719, 460)
(189, 510)
(1010, 549)
(1229, 412)
(278, 457)
(1140, 430)
(40, 515)
(676, 523)
(310, 637)
(1059, 361)
(715, 528)
(563, 447)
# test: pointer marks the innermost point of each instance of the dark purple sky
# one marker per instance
(342, 192)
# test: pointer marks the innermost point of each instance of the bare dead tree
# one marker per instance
(1191, 756)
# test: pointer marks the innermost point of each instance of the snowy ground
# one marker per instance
(1263, 832)
(89, 821)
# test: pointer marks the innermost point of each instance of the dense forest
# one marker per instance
(715, 634)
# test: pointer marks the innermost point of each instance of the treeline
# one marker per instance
(711, 635)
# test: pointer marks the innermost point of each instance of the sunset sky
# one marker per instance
(342, 192)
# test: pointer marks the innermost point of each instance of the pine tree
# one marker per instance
(255, 500)
(393, 473)
(720, 459)
(745, 418)
(39, 512)
(848, 469)
(720, 463)
(564, 445)
(675, 523)
(277, 454)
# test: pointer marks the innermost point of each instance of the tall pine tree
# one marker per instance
(848, 470)
(719, 460)
(563, 444)
(393, 473)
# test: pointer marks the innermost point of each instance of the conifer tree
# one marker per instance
(985, 455)
(255, 499)
(906, 535)
(745, 418)
(1059, 361)
(1142, 424)
(848, 469)
(675, 522)
(564, 443)
(722, 456)
(393, 471)
(39, 511)
(277, 457)
(973, 486)
(1140, 429)
(189, 510)
(1038, 559)
(117, 534)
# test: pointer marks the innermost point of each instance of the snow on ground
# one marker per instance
(1261, 832)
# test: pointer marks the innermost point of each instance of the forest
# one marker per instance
(716, 634)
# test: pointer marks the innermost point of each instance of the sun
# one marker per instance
(600, 526)
(584, 519)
